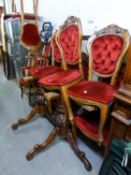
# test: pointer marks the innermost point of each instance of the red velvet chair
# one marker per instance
(37, 53)
(69, 38)
(106, 51)
(30, 39)
(36, 73)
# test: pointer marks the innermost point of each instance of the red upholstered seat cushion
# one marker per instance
(90, 126)
(61, 78)
(69, 42)
(93, 90)
(105, 52)
(30, 35)
(43, 71)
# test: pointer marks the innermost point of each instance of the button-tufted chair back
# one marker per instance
(106, 50)
(69, 39)
(56, 56)
(69, 42)
(106, 53)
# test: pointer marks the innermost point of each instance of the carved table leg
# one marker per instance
(39, 147)
(58, 117)
(26, 119)
(80, 154)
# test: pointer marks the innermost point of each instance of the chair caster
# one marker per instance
(29, 156)
(14, 126)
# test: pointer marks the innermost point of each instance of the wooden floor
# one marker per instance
(58, 159)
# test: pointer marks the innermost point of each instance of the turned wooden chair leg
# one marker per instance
(22, 121)
(80, 154)
(103, 117)
(39, 147)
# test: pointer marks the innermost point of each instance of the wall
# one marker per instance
(94, 14)
(1, 2)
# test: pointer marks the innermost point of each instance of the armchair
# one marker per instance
(29, 39)
(106, 51)
(36, 73)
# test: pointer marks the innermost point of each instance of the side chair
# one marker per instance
(29, 39)
(69, 37)
(106, 49)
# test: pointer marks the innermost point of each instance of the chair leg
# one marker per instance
(22, 121)
(103, 117)
(67, 105)
(80, 154)
(39, 147)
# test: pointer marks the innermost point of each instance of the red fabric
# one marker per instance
(21, 81)
(43, 71)
(105, 52)
(56, 52)
(93, 90)
(30, 35)
(61, 78)
(91, 127)
(69, 40)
